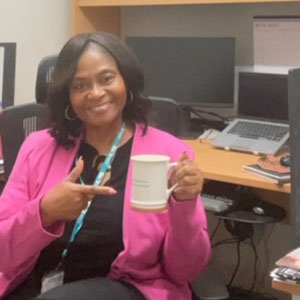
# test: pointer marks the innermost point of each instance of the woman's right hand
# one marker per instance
(66, 201)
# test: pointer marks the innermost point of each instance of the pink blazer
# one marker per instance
(162, 253)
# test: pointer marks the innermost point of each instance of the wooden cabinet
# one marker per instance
(104, 15)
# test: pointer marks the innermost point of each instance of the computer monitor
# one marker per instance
(195, 71)
(263, 95)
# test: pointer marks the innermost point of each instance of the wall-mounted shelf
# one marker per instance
(105, 15)
(97, 3)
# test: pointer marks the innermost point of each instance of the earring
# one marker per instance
(130, 97)
(68, 113)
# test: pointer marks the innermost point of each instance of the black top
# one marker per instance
(100, 239)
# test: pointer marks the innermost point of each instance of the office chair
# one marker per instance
(165, 114)
(16, 123)
(44, 77)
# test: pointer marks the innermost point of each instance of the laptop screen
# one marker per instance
(263, 96)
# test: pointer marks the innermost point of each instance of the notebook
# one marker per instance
(262, 123)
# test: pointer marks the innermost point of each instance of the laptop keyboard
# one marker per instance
(259, 130)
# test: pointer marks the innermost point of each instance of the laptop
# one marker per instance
(262, 123)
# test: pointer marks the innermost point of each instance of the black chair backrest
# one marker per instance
(16, 123)
(165, 114)
(44, 77)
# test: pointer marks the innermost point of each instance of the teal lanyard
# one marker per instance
(98, 180)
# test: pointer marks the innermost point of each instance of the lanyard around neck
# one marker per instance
(98, 180)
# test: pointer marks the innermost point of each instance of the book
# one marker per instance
(288, 267)
(290, 260)
(273, 176)
(289, 275)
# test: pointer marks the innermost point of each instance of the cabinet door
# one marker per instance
(91, 19)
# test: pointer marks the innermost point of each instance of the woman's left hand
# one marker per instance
(189, 178)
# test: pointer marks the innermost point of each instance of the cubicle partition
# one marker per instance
(294, 117)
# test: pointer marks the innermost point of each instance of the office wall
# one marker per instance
(233, 20)
(40, 28)
(204, 20)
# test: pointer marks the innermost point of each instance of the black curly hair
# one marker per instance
(135, 111)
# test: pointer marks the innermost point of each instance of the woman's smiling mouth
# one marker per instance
(100, 107)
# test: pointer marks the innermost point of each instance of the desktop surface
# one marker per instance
(226, 166)
(287, 287)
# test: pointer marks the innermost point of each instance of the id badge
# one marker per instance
(52, 280)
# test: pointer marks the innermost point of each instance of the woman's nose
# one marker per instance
(96, 91)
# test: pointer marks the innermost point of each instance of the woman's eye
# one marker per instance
(77, 86)
(107, 79)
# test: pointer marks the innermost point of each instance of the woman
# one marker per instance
(66, 208)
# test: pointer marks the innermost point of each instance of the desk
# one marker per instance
(226, 166)
(293, 289)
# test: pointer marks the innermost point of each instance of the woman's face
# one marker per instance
(98, 92)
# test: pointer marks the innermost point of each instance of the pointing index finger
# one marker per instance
(97, 190)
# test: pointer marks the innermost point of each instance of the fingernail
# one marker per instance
(112, 192)
(79, 158)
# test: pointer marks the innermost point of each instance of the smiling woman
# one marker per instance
(65, 216)
(121, 78)
(98, 94)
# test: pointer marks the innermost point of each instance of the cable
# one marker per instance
(219, 121)
(215, 230)
(224, 242)
(256, 261)
(266, 252)
(238, 293)
(238, 250)
(197, 111)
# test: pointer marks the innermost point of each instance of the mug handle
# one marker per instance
(172, 188)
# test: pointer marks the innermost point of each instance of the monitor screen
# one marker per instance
(263, 95)
(194, 71)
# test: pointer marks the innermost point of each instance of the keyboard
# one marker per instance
(259, 130)
(216, 203)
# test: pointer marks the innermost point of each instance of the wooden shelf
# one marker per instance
(98, 3)
(105, 15)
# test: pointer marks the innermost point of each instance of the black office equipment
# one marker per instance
(245, 210)
(16, 123)
(285, 161)
(262, 103)
(164, 114)
(195, 71)
(242, 204)
(263, 95)
(44, 77)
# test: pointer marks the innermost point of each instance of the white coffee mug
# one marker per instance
(150, 182)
